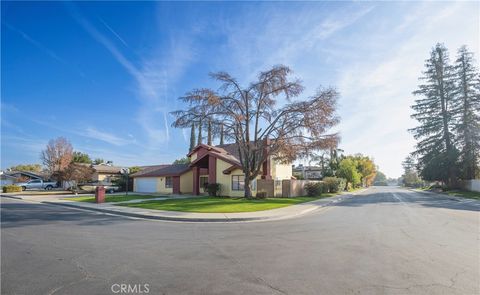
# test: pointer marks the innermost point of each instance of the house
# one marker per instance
(22, 175)
(105, 173)
(208, 164)
(6, 179)
(307, 172)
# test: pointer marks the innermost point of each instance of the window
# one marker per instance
(168, 182)
(35, 181)
(203, 181)
(238, 182)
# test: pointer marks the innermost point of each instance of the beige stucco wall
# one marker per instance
(161, 186)
(193, 157)
(281, 171)
(101, 176)
(225, 180)
(186, 182)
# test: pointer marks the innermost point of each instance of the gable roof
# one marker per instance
(231, 148)
(27, 173)
(106, 168)
(202, 145)
(217, 152)
(162, 170)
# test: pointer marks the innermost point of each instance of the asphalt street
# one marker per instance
(382, 241)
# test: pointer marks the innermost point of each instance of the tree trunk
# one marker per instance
(248, 188)
(192, 137)
(248, 185)
(221, 134)
(199, 133)
(209, 133)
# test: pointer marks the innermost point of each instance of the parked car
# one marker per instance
(91, 187)
(37, 184)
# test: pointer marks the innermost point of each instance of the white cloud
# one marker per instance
(110, 138)
(152, 77)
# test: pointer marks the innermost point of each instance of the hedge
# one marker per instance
(315, 188)
(12, 188)
(335, 184)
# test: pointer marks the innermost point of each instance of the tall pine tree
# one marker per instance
(192, 137)
(437, 155)
(467, 112)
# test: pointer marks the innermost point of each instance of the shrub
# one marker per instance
(334, 184)
(213, 189)
(12, 188)
(314, 189)
(261, 195)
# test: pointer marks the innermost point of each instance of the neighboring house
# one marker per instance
(105, 173)
(23, 175)
(307, 172)
(208, 164)
(6, 179)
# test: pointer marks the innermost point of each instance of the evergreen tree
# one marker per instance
(192, 137)
(200, 127)
(410, 177)
(79, 157)
(467, 111)
(436, 153)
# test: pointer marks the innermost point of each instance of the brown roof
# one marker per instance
(106, 169)
(162, 170)
(231, 149)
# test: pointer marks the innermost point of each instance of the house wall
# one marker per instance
(6, 181)
(186, 183)
(193, 157)
(225, 180)
(281, 171)
(472, 185)
(104, 176)
(161, 186)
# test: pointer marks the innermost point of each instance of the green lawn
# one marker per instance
(221, 205)
(112, 199)
(464, 194)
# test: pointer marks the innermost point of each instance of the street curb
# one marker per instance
(204, 220)
(332, 200)
(165, 218)
(11, 197)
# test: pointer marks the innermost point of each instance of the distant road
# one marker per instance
(383, 241)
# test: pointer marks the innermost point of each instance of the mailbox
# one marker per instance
(99, 194)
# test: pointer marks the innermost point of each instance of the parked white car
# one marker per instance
(90, 187)
(37, 184)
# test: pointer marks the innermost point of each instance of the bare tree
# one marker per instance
(58, 155)
(76, 172)
(260, 128)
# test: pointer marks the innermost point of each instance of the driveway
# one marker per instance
(383, 241)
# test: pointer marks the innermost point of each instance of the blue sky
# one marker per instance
(105, 75)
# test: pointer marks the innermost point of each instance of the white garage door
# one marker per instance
(146, 185)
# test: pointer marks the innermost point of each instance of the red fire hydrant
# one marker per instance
(99, 194)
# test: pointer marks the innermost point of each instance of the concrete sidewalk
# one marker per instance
(274, 214)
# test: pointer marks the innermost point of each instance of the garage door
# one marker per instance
(146, 185)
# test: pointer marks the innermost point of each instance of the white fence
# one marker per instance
(472, 185)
